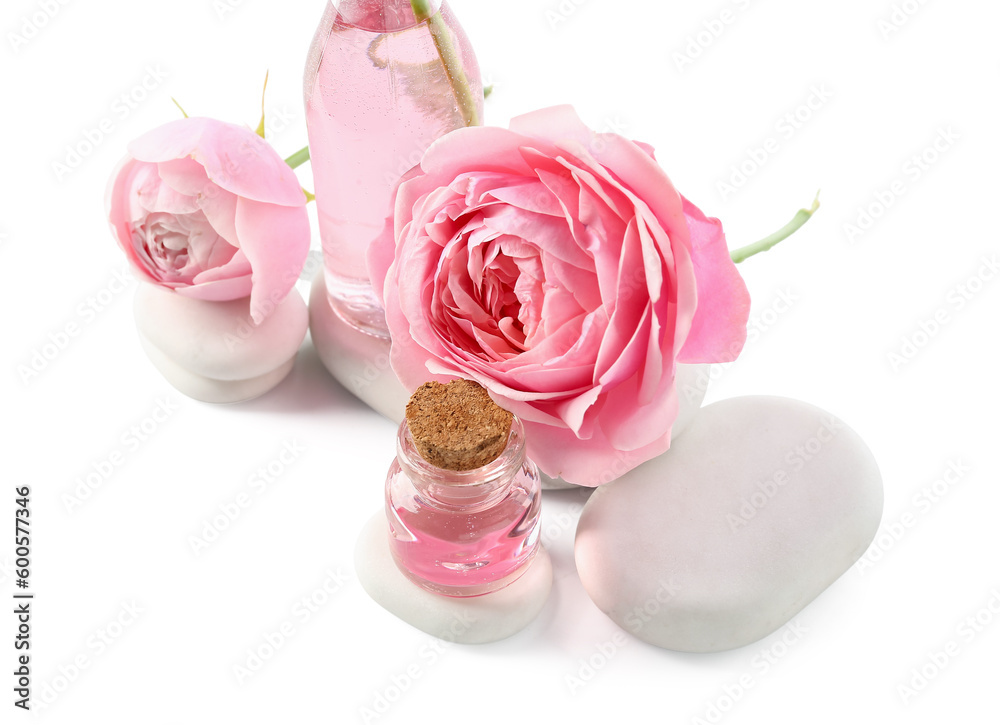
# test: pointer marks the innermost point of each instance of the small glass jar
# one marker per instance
(463, 533)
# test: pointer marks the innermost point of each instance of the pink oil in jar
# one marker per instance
(463, 532)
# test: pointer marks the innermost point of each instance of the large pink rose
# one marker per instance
(209, 210)
(561, 270)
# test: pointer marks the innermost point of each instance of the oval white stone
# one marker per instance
(213, 351)
(466, 620)
(759, 507)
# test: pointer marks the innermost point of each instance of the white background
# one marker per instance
(856, 301)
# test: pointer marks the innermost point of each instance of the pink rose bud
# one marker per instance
(561, 270)
(209, 210)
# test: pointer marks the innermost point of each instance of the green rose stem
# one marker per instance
(803, 215)
(449, 58)
(298, 158)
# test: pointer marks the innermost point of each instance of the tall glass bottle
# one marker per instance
(382, 82)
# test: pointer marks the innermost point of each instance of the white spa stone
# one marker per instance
(360, 363)
(356, 360)
(465, 620)
(759, 507)
(213, 351)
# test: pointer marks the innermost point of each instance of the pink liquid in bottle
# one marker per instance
(463, 533)
(377, 94)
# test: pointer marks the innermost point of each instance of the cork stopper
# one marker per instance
(457, 426)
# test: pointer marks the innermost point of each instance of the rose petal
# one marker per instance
(275, 240)
(235, 158)
(121, 210)
(559, 453)
(482, 148)
(220, 210)
(234, 288)
(554, 124)
(155, 196)
(238, 266)
(719, 328)
(630, 425)
(185, 176)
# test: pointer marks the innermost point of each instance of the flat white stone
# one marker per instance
(759, 507)
(465, 620)
(213, 351)
(360, 362)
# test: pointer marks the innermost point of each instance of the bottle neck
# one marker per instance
(379, 16)
(450, 489)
